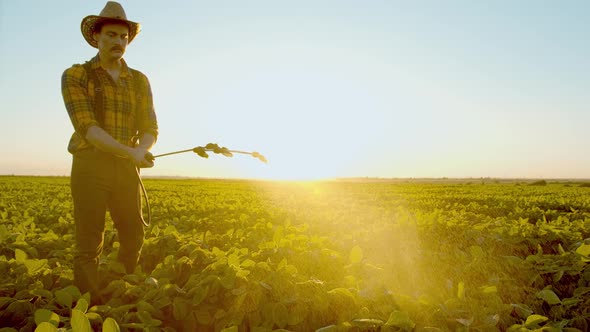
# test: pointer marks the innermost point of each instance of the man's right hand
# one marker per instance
(141, 157)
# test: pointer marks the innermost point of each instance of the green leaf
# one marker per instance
(548, 296)
(86, 296)
(584, 250)
(230, 329)
(248, 263)
(74, 291)
(233, 260)
(42, 292)
(489, 289)
(145, 317)
(356, 255)
(400, 319)
(80, 322)
(228, 279)
(367, 324)
(533, 321)
(5, 302)
(461, 290)
(48, 316)
(170, 230)
(110, 325)
(49, 236)
(558, 275)
(341, 301)
(35, 265)
(134, 326)
(297, 314)
(180, 308)
(82, 305)
(64, 298)
(200, 294)
(278, 235)
(581, 291)
(101, 308)
(280, 315)
(116, 267)
(521, 310)
(476, 251)
(94, 318)
(46, 327)
(203, 316)
(464, 321)
(151, 281)
(20, 255)
(156, 231)
(148, 307)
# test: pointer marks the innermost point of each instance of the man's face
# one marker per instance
(112, 40)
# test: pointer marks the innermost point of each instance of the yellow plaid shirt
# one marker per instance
(127, 104)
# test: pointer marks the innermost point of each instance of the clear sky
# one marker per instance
(322, 88)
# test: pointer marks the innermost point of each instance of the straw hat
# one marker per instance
(111, 11)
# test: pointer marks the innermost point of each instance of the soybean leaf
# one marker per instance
(144, 316)
(20, 255)
(73, 290)
(464, 321)
(233, 260)
(80, 322)
(64, 298)
(230, 329)
(47, 316)
(82, 305)
(581, 291)
(203, 316)
(200, 294)
(45, 327)
(461, 290)
(400, 319)
(34, 266)
(297, 314)
(548, 296)
(356, 254)
(110, 325)
(533, 321)
(280, 315)
(584, 250)
(521, 310)
(180, 308)
(367, 324)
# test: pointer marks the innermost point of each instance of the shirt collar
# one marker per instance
(125, 71)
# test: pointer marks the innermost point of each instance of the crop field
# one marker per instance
(231, 255)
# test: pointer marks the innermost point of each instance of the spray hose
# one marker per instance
(199, 150)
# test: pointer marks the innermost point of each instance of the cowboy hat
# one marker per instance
(111, 11)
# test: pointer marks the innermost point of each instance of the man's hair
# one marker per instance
(100, 23)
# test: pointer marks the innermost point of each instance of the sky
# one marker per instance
(322, 89)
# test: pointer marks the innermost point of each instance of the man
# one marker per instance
(109, 105)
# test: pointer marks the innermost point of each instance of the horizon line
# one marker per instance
(368, 178)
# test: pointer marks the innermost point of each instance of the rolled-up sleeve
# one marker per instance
(75, 94)
(147, 122)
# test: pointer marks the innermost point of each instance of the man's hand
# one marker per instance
(141, 157)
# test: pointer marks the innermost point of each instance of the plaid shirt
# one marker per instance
(127, 106)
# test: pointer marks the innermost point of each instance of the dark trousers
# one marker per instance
(101, 181)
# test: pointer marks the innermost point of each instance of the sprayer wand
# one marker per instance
(211, 147)
(202, 152)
